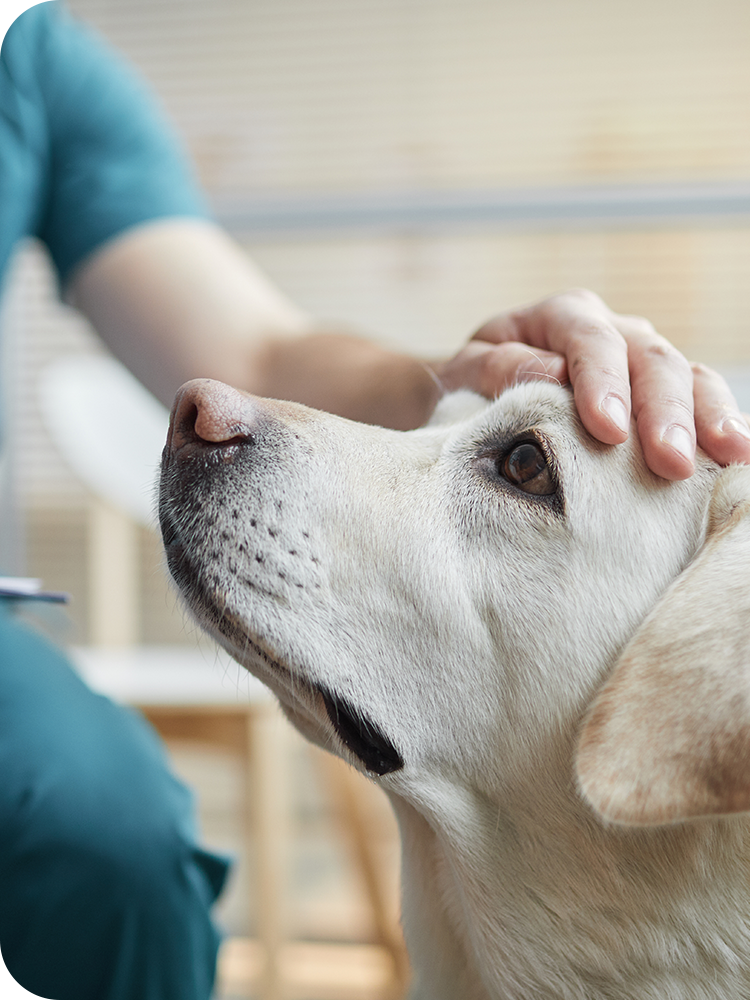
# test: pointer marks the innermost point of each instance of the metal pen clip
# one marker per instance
(25, 588)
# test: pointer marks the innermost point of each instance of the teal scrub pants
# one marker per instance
(104, 893)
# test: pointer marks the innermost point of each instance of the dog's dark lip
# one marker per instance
(361, 735)
(169, 533)
(173, 547)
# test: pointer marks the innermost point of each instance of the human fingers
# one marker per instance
(722, 430)
(489, 368)
(615, 362)
(579, 325)
(663, 405)
(604, 350)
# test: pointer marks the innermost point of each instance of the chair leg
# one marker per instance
(269, 822)
(350, 791)
(113, 576)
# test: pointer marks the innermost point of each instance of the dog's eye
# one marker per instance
(526, 467)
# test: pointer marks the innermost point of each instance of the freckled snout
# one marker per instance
(211, 424)
(206, 412)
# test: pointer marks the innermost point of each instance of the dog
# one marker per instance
(539, 649)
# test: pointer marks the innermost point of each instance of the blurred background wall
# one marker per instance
(409, 167)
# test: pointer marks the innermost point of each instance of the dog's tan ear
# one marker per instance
(668, 736)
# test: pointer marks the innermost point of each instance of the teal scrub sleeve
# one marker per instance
(115, 161)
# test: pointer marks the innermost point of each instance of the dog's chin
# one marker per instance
(310, 706)
(302, 702)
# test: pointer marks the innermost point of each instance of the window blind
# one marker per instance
(301, 102)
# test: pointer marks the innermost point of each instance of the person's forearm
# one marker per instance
(346, 375)
(178, 299)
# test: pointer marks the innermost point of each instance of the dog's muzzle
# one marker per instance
(216, 436)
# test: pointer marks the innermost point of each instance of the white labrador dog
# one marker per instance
(539, 649)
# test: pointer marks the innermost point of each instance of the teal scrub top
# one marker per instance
(85, 153)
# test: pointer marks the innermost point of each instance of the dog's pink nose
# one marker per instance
(210, 412)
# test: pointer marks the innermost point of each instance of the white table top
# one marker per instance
(168, 675)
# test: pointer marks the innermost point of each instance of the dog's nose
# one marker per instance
(210, 412)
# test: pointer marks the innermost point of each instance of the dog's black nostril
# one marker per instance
(184, 423)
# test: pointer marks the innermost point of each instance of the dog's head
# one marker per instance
(440, 606)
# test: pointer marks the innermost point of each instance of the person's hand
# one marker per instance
(614, 364)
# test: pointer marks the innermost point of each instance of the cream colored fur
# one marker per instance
(567, 683)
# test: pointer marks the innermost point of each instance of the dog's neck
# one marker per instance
(545, 901)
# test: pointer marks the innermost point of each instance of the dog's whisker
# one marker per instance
(543, 374)
(435, 378)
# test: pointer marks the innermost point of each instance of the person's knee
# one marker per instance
(106, 911)
(104, 894)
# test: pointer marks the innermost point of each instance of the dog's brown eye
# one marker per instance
(526, 467)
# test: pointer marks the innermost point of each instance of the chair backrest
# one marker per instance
(108, 428)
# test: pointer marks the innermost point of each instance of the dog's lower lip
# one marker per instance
(169, 533)
(174, 548)
(270, 660)
(179, 565)
(361, 735)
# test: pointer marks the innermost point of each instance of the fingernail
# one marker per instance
(735, 425)
(679, 439)
(617, 412)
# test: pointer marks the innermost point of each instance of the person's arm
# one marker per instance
(129, 233)
(178, 299)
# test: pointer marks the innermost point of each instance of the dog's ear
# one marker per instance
(668, 736)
